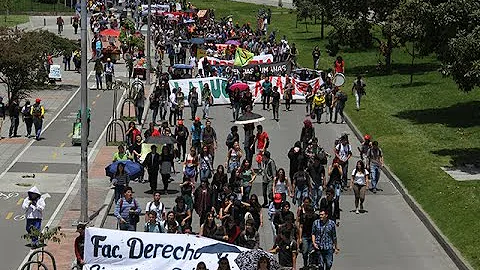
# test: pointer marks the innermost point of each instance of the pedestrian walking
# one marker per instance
(358, 90)
(309, 94)
(281, 185)
(301, 185)
(154, 100)
(67, 57)
(79, 245)
(339, 103)
(375, 164)
(27, 118)
(157, 207)
(266, 92)
(38, 113)
(34, 205)
(269, 171)
(316, 57)
(307, 134)
(152, 164)
(14, 111)
(193, 101)
(275, 103)
(2, 114)
(109, 70)
(196, 134)
(206, 164)
(318, 105)
(181, 136)
(203, 203)
(98, 73)
(60, 24)
(343, 152)
(263, 142)
(180, 103)
(120, 181)
(324, 240)
(207, 100)
(236, 98)
(172, 118)
(75, 24)
(127, 211)
(166, 166)
(331, 206)
(288, 93)
(208, 138)
(359, 184)
(152, 225)
(232, 137)
(305, 226)
(139, 105)
(317, 174)
(339, 65)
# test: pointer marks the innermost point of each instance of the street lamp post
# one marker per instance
(84, 113)
(149, 33)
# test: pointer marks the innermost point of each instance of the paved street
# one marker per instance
(387, 236)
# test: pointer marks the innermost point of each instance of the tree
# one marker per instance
(304, 10)
(409, 28)
(23, 57)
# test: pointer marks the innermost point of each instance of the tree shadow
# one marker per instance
(460, 115)
(461, 156)
(397, 68)
(411, 85)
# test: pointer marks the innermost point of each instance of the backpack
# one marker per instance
(37, 110)
(301, 179)
(161, 208)
(230, 140)
(136, 217)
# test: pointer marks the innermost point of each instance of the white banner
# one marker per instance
(124, 250)
(218, 87)
(257, 59)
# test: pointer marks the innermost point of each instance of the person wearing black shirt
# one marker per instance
(305, 231)
(331, 206)
(152, 163)
(316, 57)
(335, 181)
(181, 135)
(14, 112)
(275, 103)
(317, 174)
(27, 117)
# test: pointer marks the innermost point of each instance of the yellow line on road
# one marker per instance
(70, 135)
(45, 168)
(20, 201)
(62, 144)
(98, 95)
(9, 215)
(54, 155)
(93, 102)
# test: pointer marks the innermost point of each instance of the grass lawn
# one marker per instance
(12, 20)
(420, 127)
(26, 6)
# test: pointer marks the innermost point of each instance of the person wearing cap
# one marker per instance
(274, 209)
(127, 211)
(38, 112)
(109, 70)
(2, 114)
(79, 245)
(366, 144)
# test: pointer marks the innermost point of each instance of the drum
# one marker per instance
(339, 79)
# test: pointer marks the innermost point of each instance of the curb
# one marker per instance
(459, 261)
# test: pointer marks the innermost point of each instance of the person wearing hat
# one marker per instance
(2, 114)
(127, 211)
(79, 245)
(109, 70)
(38, 113)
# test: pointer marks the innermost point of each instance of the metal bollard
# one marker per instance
(44, 22)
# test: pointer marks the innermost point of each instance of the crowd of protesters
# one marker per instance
(217, 187)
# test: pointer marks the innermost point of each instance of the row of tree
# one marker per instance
(23, 59)
(450, 29)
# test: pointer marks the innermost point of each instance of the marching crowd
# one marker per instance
(221, 196)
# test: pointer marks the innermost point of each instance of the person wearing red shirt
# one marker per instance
(263, 142)
(79, 244)
(339, 65)
(132, 133)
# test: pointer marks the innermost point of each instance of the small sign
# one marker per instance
(55, 73)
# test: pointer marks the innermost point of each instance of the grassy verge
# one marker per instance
(32, 6)
(12, 20)
(421, 127)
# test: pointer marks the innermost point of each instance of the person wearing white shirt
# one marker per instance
(173, 107)
(359, 184)
(33, 205)
(157, 206)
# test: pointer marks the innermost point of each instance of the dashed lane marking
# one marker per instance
(62, 144)
(20, 201)
(45, 168)
(70, 135)
(9, 215)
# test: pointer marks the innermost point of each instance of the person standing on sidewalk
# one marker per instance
(33, 205)
(27, 118)
(38, 113)
(2, 114)
(152, 164)
(109, 70)
(375, 164)
(98, 73)
(324, 240)
(14, 113)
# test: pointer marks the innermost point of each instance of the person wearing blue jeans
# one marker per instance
(33, 205)
(305, 231)
(375, 164)
(302, 185)
(127, 211)
(324, 239)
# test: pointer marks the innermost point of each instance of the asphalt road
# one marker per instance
(387, 236)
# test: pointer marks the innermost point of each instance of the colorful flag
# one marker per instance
(242, 57)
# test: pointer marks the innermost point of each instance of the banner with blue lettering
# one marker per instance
(123, 250)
